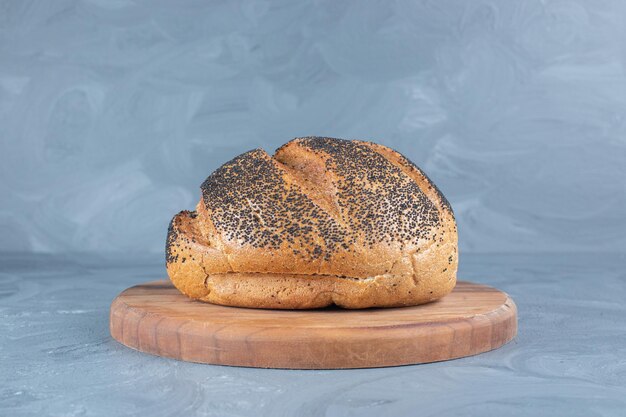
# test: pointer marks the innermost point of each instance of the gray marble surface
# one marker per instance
(57, 358)
(112, 112)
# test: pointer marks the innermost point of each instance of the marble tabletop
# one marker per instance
(569, 358)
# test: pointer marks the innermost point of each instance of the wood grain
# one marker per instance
(157, 319)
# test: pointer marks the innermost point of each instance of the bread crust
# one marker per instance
(324, 221)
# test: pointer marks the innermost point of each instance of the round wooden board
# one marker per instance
(157, 319)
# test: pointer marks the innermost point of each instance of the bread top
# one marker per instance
(319, 206)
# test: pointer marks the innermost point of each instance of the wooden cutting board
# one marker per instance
(155, 318)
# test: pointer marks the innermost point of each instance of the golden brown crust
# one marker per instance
(324, 221)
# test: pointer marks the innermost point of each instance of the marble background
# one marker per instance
(112, 112)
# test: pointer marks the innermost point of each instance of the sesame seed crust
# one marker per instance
(251, 202)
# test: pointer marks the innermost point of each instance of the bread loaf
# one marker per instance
(323, 221)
